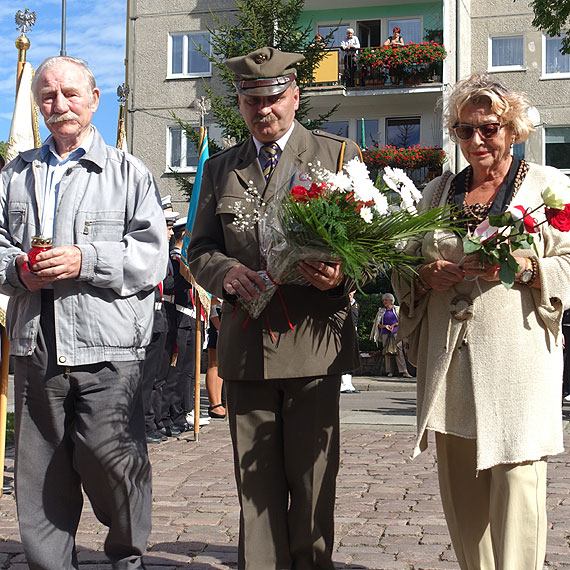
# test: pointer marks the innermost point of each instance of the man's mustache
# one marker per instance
(60, 117)
(265, 119)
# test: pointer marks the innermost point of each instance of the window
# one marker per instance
(339, 128)
(557, 142)
(411, 29)
(403, 131)
(185, 57)
(506, 53)
(338, 36)
(370, 132)
(182, 153)
(554, 62)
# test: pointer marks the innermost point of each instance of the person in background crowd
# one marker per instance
(489, 359)
(350, 47)
(214, 384)
(384, 329)
(151, 386)
(178, 391)
(79, 318)
(395, 39)
(281, 371)
(346, 385)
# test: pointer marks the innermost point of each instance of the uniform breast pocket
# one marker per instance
(20, 222)
(100, 226)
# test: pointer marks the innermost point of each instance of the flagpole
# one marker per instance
(63, 24)
(25, 21)
(198, 344)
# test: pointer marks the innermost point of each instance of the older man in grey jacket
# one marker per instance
(79, 318)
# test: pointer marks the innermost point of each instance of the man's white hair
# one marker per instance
(56, 60)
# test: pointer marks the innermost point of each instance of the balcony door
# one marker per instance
(369, 33)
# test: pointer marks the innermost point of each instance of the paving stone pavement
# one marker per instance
(388, 511)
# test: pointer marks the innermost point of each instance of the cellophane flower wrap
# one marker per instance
(341, 217)
(498, 236)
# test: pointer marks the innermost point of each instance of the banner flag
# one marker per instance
(24, 131)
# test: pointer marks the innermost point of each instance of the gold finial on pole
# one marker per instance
(25, 22)
(123, 91)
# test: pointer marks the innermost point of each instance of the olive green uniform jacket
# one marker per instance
(322, 338)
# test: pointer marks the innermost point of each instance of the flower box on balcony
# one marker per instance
(410, 158)
(412, 62)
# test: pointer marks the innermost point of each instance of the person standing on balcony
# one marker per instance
(395, 39)
(350, 47)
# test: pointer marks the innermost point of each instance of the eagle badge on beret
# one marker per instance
(260, 58)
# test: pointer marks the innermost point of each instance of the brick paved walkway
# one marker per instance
(388, 514)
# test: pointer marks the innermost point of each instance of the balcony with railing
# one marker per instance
(391, 67)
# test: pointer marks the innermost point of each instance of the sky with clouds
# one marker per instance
(95, 33)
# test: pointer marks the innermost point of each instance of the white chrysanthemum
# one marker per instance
(366, 214)
(357, 171)
(340, 181)
(381, 203)
(390, 179)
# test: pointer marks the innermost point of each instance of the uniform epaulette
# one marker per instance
(338, 138)
(222, 152)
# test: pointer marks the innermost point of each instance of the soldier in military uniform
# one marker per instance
(282, 381)
(181, 315)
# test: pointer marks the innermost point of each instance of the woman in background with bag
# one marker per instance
(384, 329)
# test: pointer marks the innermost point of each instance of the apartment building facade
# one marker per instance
(167, 74)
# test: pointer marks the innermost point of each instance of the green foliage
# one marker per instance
(10, 428)
(553, 17)
(368, 307)
(332, 222)
(3, 148)
(255, 24)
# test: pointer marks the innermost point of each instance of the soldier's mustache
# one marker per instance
(265, 119)
(60, 117)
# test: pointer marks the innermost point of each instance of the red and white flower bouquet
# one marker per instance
(498, 236)
(341, 217)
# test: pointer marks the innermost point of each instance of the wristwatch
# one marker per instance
(528, 275)
(525, 276)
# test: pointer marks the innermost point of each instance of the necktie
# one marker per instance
(268, 158)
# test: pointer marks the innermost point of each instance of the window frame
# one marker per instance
(501, 68)
(186, 38)
(557, 126)
(550, 76)
(400, 117)
(184, 141)
(334, 24)
(387, 31)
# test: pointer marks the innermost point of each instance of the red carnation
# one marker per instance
(300, 194)
(559, 219)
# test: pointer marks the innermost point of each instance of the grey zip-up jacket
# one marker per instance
(108, 206)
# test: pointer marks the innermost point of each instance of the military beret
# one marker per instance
(265, 71)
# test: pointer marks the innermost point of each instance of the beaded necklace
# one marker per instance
(477, 213)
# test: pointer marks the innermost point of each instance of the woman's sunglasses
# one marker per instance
(487, 131)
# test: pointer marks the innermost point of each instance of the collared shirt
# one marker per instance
(56, 168)
(352, 42)
(280, 142)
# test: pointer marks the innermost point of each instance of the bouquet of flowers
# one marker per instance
(498, 236)
(341, 217)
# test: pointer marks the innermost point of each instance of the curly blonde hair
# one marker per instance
(511, 106)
